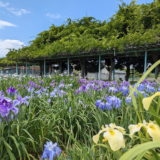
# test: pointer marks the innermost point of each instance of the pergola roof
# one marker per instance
(126, 52)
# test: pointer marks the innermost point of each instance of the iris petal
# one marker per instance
(147, 101)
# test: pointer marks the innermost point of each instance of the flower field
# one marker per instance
(85, 119)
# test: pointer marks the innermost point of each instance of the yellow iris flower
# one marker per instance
(147, 101)
(113, 134)
(154, 131)
(133, 128)
(152, 128)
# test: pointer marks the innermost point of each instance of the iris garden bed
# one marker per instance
(69, 112)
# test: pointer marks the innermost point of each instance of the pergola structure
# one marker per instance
(16, 64)
(143, 51)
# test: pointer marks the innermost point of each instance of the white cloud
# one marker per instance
(8, 43)
(5, 23)
(18, 12)
(3, 4)
(54, 16)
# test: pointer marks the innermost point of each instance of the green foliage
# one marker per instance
(132, 25)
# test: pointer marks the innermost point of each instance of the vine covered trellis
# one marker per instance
(134, 28)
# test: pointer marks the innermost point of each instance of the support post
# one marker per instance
(99, 73)
(68, 66)
(84, 68)
(44, 67)
(145, 62)
(155, 71)
(114, 69)
(26, 68)
(16, 68)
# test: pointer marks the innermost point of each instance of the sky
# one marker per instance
(22, 20)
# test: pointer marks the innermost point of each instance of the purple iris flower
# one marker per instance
(39, 86)
(27, 97)
(124, 90)
(98, 102)
(150, 89)
(144, 81)
(49, 100)
(118, 88)
(32, 84)
(135, 93)
(8, 118)
(154, 84)
(39, 92)
(80, 102)
(41, 82)
(104, 86)
(62, 92)
(2, 93)
(70, 108)
(11, 91)
(20, 101)
(108, 106)
(4, 110)
(5, 99)
(144, 94)
(114, 82)
(46, 94)
(53, 94)
(128, 100)
(114, 101)
(125, 83)
(70, 85)
(43, 89)
(77, 91)
(61, 85)
(82, 88)
(30, 89)
(102, 106)
(113, 90)
(108, 84)
(24, 86)
(51, 151)
(6, 106)
(80, 81)
(141, 87)
(52, 84)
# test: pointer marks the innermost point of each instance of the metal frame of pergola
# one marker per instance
(127, 52)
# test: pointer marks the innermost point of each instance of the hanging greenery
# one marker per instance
(132, 25)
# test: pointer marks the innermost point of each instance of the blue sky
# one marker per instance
(22, 20)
